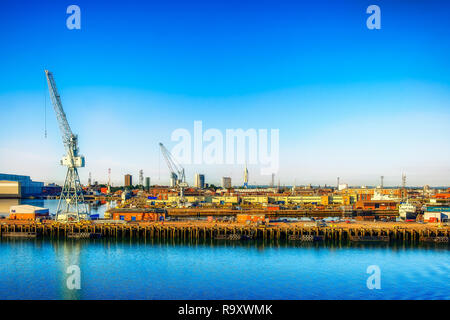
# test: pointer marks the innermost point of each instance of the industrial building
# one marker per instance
(51, 189)
(18, 186)
(199, 181)
(10, 189)
(436, 213)
(225, 199)
(135, 214)
(27, 212)
(376, 204)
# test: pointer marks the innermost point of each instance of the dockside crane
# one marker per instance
(71, 204)
(177, 176)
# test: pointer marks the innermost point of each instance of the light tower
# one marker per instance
(109, 180)
(71, 204)
(404, 193)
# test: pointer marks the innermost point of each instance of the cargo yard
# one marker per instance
(302, 214)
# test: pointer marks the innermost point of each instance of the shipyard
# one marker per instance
(201, 212)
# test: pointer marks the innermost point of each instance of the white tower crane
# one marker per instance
(177, 175)
(71, 205)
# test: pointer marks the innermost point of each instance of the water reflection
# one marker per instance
(68, 253)
(5, 204)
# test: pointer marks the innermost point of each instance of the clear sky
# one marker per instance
(348, 101)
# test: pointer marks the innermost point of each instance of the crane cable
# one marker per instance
(45, 114)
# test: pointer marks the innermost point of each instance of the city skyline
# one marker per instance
(348, 101)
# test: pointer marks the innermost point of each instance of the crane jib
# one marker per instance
(71, 205)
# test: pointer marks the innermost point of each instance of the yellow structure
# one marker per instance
(255, 199)
(345, 200)
(224, 199)
(176, 198)
(305, 199)
(278, 198)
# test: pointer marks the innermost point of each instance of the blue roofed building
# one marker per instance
(28, 187)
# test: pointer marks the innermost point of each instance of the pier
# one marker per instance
(358, 232)
(222, 212)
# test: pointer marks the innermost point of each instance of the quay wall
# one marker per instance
(198, 231)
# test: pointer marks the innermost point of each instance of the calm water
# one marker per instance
(36, 269)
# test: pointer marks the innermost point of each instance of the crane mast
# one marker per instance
(177, 175)
(71, 204)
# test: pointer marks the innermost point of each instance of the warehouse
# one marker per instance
(135, 214)
(27, 212)
(28, 187)
(10, 189)
(436, 213)
(376, 204)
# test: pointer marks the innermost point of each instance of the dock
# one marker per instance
(202, 230)
(223, 212)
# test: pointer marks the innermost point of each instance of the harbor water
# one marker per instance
(146, 269)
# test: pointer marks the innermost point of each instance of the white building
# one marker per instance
(439, 216)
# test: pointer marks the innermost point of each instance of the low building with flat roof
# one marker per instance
(27, 212)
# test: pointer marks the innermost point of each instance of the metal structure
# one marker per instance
(176, 171)
(404, 193)
(71, 204)
(109, 180)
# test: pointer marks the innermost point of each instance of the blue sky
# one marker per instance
(348, 101)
